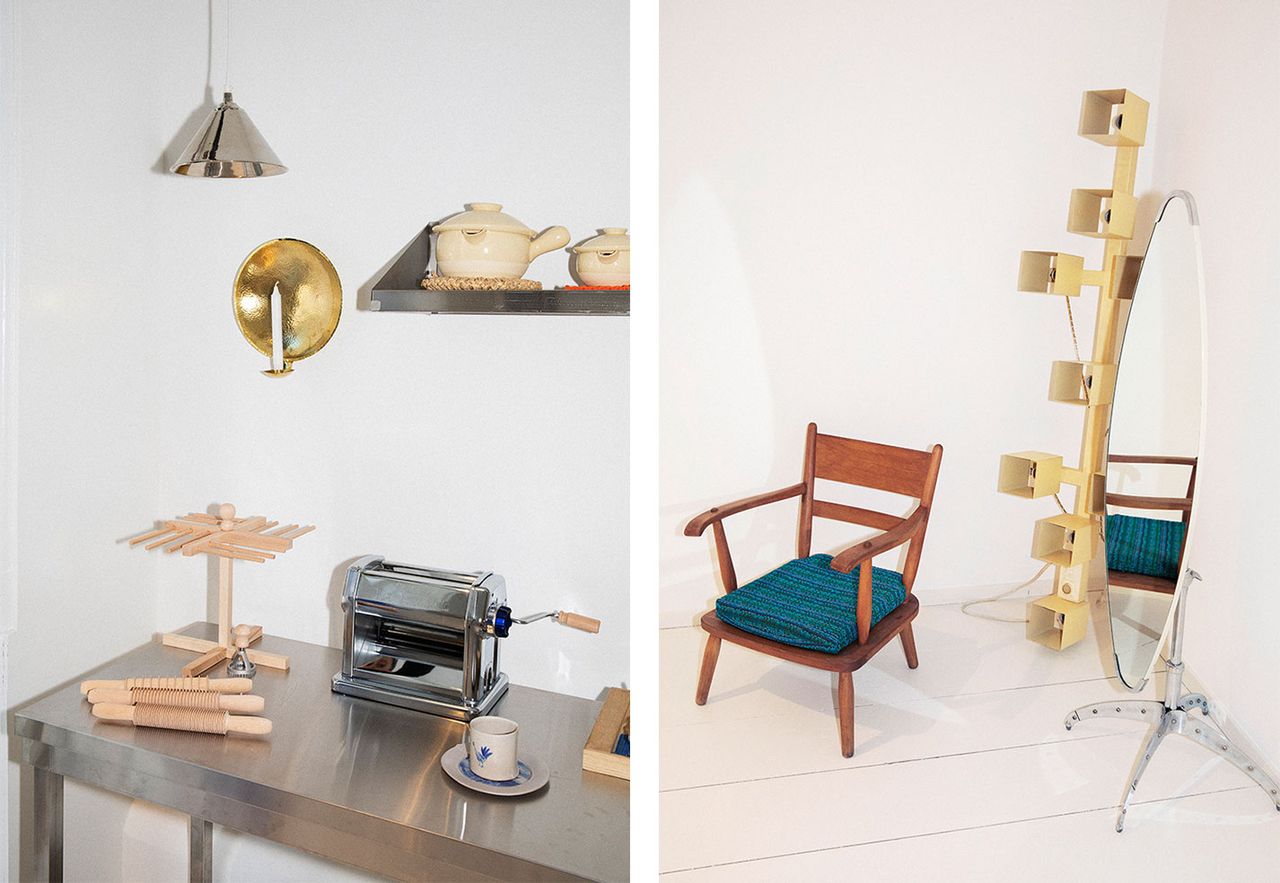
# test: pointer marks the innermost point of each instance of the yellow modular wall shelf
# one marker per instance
(1103, 214)
(1048, 272)
(1056, 622)
(1082, 383)
(1030, 474)
(1115, 118)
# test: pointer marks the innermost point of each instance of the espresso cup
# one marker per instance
(491, 748)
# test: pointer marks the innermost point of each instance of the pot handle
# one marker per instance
(549, 240)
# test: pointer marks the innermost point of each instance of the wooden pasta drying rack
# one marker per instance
(1070, 541)
(229, 539)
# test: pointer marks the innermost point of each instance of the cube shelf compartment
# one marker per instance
(1064, 540)
(1050, 272)
(1126, 269)
(1030, 474)
(1082, 383)
(1056, 622)
(1102, 214)
(1114, 117)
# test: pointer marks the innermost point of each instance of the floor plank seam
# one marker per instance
(857, 844)
(899, 762)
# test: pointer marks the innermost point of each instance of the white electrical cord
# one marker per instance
(964, 608)
(227, 63)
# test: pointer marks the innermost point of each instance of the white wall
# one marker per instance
(843, 204)
(1219, 138)
(468, 442)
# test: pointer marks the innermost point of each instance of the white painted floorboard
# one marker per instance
(963, 768)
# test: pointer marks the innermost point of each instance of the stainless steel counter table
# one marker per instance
(355, 781)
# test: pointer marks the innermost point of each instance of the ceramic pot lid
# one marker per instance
(610, 239)
(483, 216)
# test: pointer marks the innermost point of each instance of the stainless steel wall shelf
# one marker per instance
(399, 291)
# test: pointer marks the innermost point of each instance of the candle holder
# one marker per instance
(309, 296)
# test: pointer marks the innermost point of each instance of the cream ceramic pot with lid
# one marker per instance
(485, 242)
(604, 259)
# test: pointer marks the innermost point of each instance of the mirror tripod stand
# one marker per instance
(1174, 715)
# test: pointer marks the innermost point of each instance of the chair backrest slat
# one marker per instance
(867, 464)
(855, 515)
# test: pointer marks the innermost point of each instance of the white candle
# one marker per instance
(277, 331)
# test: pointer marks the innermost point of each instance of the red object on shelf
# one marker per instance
(596, 288)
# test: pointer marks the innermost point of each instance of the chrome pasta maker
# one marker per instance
(427, 639)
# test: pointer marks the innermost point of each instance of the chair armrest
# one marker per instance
(700, 523)
(891, 538)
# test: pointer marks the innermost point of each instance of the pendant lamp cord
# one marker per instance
(226, 61)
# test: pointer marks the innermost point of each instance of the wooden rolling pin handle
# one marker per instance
(243, 704)
(252, 726)
(578, 621)
(110, 695)
(116, 714)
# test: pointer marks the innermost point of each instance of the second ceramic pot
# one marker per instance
(485, 242)
(604, 259)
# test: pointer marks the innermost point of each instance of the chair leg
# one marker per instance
(709, 656)
(844, 691)
(909, 646)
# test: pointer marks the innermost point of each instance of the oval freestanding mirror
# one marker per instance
(1154, 444)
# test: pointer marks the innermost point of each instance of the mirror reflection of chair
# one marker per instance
(1143, 552)
(823, 611)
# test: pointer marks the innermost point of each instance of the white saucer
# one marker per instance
(533, 774)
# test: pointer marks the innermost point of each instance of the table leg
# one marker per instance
(200, 864)
(41, 848)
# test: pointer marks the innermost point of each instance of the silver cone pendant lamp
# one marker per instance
(228, 145)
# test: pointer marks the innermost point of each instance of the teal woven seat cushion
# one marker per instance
(1150, 546)
(805, 603)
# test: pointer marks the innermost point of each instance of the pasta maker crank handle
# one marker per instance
(503, 620)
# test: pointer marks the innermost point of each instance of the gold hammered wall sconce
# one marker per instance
(287, 300)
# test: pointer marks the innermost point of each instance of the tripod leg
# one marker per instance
(1220, 745)
(1153, 742)
(1146, 710)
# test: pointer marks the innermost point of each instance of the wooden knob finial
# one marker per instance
(227, 512)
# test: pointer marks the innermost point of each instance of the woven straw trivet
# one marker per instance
(479, 283)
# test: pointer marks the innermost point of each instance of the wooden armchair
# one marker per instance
(1150, 582)
(814, 610)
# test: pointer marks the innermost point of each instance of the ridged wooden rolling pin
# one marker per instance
(216, 685)
(238, 703)
(193, 720)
